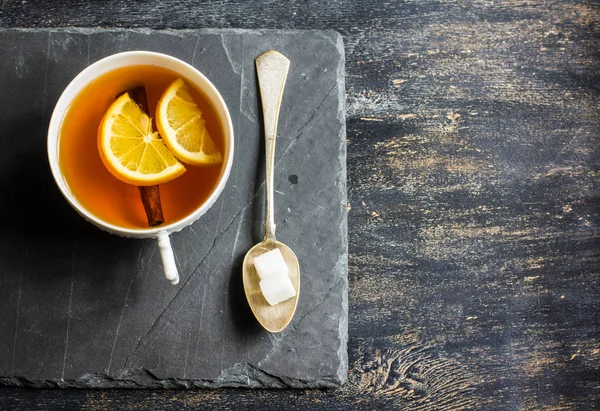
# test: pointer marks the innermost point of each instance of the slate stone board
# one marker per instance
(82, 308)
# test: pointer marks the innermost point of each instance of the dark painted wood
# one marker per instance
(473, 166)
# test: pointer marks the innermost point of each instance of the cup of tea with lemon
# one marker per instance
(141, 145)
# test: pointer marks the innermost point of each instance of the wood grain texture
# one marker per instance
(473, 166)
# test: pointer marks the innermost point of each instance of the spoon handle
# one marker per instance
(272, 68)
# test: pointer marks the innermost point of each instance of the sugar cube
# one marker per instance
(270, 263)
(277, 288)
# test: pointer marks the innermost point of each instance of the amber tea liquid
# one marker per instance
(94, 186)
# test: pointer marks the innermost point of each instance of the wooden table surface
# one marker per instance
(473, 171)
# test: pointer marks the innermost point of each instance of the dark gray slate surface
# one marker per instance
(82, 308)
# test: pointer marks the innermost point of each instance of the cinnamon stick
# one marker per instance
(150, 194)
(152, 206)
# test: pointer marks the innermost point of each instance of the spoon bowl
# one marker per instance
(272, 68)
(273, 318)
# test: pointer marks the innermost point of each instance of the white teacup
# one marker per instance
(191, 75)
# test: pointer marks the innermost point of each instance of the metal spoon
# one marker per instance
(272, 68)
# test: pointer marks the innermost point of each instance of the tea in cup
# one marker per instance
(100, 196)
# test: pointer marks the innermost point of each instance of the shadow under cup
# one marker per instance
(198, 81)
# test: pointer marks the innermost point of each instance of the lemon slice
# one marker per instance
(180, 123)
(129, 148)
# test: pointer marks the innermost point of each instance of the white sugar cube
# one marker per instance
(270, 263)
(277, 288)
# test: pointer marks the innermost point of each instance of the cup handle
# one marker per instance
(168, 259)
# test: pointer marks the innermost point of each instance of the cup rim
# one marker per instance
(76, 85)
